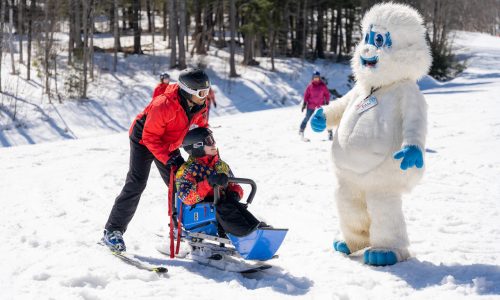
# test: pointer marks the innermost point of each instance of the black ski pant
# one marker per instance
(137, 177)
(234, 217)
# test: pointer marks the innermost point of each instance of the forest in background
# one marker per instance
(306, 29)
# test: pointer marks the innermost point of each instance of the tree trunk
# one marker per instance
(319, 52)
(164, 16)
(85, 46)
(71, 38)
(173, 32)
(116, 34)
(136, 7)
(30, 36)
(304, 31)
(2, 21)
(11, 35)
(78, 24)
(182, 34)
(198, 30)
(91, 47)
(232, 45)
(20, 28)
(340, 36)
(148, 13)
(153, 36)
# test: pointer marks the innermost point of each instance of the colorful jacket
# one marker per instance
(192, 179)
(316, 94)
(166, 123)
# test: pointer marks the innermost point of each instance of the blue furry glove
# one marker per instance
(412, 157)
(318, 121)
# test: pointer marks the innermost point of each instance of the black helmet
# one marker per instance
(164, 75)
(194, 82)
(196, 139)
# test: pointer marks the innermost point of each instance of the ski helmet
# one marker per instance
(316, 74)
(196, 139)
(164, 75)
(194, 82)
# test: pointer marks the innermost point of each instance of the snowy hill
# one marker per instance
(56, 198)
(27, 117)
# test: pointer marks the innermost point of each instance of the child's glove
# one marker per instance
(218, 180)
(318, 121)
(303, 107)
(411, 155)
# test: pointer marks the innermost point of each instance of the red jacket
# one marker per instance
(316, 94)
(160, 89)
(167, 123)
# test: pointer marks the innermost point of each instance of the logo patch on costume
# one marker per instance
(366, 104)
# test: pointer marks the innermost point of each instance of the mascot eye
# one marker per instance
(366, 38)
(379, 40)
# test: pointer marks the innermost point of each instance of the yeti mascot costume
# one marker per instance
(379, 143)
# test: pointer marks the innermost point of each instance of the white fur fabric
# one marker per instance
(370, 181)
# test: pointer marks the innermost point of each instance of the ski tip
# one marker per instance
(160, 270)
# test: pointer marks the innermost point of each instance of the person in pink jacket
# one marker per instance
(316, 95)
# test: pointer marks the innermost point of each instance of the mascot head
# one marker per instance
(393, 47)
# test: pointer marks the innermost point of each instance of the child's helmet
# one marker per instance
(196, 139)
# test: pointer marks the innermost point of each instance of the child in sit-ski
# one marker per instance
(204, 170)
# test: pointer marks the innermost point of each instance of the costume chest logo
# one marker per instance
(366, 104)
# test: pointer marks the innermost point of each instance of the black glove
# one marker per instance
(303, 107)
(218, 180)
(175, 159)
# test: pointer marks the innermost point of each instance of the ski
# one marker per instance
(133, 261)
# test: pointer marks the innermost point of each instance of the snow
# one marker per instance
(56, 198)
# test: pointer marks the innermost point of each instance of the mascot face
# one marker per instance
(393, 46)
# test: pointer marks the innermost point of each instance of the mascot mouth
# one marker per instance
(370, 62)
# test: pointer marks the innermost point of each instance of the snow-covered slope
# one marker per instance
(27, 117)
(56, 198)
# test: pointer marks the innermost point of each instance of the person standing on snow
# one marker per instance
(162, 86)
(156, 135)
(316, 95)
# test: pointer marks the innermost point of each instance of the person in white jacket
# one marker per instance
(378, 147)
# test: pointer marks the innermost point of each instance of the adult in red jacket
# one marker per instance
(156, 135)
(162, 86)
(316, 95)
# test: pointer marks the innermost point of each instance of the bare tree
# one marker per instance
(30, 36)
(173, 32)
(164, 17)
(91, 36)
(86, 5)
(116, 34)
(20, 27)
(49, 25)
(136, 7)
(232, 44)
(11, 37)
(182, 34)
(2, 21)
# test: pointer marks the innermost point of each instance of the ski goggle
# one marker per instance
(201, 93)
(209, 141)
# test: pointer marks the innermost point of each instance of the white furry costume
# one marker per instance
(370, 180)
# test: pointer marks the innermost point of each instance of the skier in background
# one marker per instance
(162, 86)
(210, 101)
(315, 96)
(156, 135)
